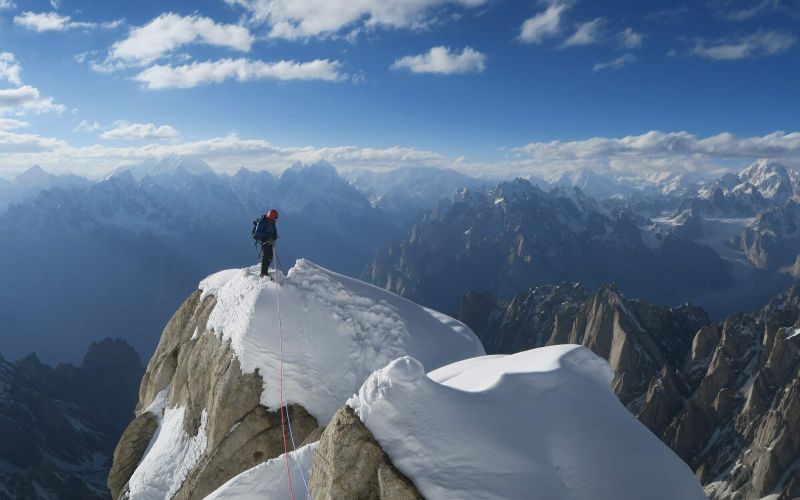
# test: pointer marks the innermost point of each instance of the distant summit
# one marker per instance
(167, 166)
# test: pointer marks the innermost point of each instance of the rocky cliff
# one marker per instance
(196, 371)
(723, 396)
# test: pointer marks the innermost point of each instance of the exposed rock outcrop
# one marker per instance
(723, 397)
(772, 240)
(202, 375)
(349, 463)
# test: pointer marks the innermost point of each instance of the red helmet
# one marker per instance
(272, 214)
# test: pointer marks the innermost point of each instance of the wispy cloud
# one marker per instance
(759, 44)
(12, 124)
(587, 33)
(87, 126)
(200, 73)
(630, 39)
(7, 5)
(301, 19)
(616, 63)
(145, 44)
(443, 61)
(53, 21)
(543, 25)
(27, 99)
(140, 131)
(736, 10)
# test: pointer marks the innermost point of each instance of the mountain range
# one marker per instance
(124, 250)
(127, 247)
(58, 425)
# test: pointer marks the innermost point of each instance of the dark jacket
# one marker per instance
(272, 231)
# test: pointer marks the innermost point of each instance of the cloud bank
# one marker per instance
(657, 151)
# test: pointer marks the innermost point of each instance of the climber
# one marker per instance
(265, 233)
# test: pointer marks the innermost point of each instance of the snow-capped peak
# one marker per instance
(34, 177)
(772, 179)
(166, 166)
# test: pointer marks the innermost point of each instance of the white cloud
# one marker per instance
(443, 61)
(542, 25)
(11, 124)
(10, 69)
(640, 154)
(7, 5)
(56, 4)
(169, 31)
(759, 44)
(15, 146)
(586, 34)
(27, 98)
(53, 21)
(139, 131)
(630, 39)
(87, 126)
(298, 19)
(616, 63)
(199, 73)
(675, 151)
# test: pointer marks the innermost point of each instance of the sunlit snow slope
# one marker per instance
(337, 331)
(541, 424)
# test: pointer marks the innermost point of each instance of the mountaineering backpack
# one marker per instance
(260, 229)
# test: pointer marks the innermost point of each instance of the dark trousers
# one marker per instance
(266, 257)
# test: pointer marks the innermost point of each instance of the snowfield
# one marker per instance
(541, 424)
(337, 331)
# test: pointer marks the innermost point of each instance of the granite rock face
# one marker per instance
(202, 374)
(723, 396)
(349, 463)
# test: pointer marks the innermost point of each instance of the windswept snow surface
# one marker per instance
(268, 480)
(541, 424)
(337, 331)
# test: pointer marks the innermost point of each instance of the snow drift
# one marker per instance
(540, 424)
(337, 331)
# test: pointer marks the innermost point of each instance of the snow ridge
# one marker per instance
(337, 331)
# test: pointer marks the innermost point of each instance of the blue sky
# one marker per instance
(486, 86)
